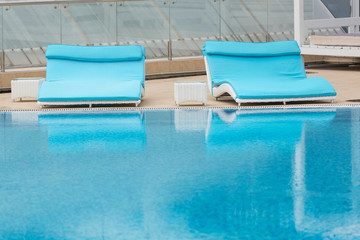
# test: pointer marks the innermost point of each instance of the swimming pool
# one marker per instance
(180, 174)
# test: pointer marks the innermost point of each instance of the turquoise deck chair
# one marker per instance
(87, 75)
(261, 72)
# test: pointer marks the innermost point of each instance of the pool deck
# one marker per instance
(160, 93)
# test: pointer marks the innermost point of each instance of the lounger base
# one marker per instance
(285, 100)
(225, 88)
(89, 103)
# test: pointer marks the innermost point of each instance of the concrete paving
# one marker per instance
(160, 93)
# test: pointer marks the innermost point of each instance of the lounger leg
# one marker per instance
(332, 100)
(284, 103)
(239, 104)
(90, 105)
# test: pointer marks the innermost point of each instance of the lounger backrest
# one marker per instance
(241, 61)
(99, 63)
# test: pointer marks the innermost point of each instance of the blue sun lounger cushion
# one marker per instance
(261, 72)
(77, 75)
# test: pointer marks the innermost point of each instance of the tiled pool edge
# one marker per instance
(186, 108)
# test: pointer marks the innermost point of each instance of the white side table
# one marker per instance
(25, 87)
(190, 92)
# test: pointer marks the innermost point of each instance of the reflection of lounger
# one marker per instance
(254, 127)
(79, 75)
(118, 132)
(261, 72)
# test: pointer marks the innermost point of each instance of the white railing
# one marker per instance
(331, 23)
(304, 28)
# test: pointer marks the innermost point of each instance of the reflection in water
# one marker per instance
(95, 132)
(316, 146)
(194, 174)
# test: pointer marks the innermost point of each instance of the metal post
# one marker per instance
(220, 30)
(268, 38)
(60, 22)
(116, 23)
(169, 42)
(267, 22)
(169, 50)
(2, 41)
(3, 61)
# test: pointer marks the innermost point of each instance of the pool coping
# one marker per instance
(303, 106)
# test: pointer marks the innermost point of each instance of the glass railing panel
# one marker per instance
(309, 9)
(27, 30)
(146, 23)
(89, 23)
(340, 9)
(325, 10)
(317, 9)
(244, 20)
(1, 39)
(192, 23)
(309, 14)
(281, 20)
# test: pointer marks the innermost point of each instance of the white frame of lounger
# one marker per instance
(218, 91)
(90, 103)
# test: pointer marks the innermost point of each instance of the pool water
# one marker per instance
(180, 174)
